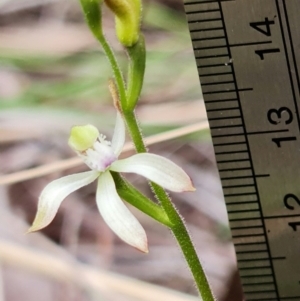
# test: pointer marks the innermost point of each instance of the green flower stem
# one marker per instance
(179, 230)
(134, 131)
(134, 197)
(116, 69)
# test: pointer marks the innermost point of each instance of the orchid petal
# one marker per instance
(55, 192)
(118, 139)
(157, 169)
(117, 215)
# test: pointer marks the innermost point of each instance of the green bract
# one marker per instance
(136, 71)
(92, 13)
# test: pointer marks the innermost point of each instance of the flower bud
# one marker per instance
(83, 137)
(128, 15)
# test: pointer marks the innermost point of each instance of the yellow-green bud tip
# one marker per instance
(128, 19)
(83, 137)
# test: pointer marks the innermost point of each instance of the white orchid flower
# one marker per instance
(101, 156)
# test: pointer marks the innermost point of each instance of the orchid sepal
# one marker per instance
(157, 169)
(117, 216)
(55, 192)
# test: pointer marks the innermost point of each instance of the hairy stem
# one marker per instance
(116, 69)
(177, 225)
(178, 228)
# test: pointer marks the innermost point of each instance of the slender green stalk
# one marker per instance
(134, 131)
(116, 69)
(184, 240)
(166, 212)
(179, 230)
(93, 16)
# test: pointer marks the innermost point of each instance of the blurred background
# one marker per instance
(53, 75)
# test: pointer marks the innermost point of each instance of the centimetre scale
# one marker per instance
(248, 59)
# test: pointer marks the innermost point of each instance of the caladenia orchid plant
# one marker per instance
(101, 155)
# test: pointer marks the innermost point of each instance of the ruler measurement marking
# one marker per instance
(224, 109)
(221, 100)
(258, 283)
(261, 272)
(236, 186)
(254, 268)
(246, 227)
(207, 1)
(281, 216)
(227, 91)
(235, 169)
(218, 83)
(202, 11)
(245, 133)
(258, 275)
(244, 219)
(230, 143)
(242, 211)
(231, 152)
(254, 276)
(266, 132)
(250, 44)
(262, 176)
(240, 203)
(288, 63)
(231, 135)
(237, 177)
(279, 258)
(210, 48)
(211, 56)
(251, 251)
(241, 90)
(234, 160)
(253, 259)
(220, 150)
(207, 38)
(223, 127)
(225, 117)
(255, 292)
(207, 29)
(204, 20)
(212, 65)
(247, 235)
(221, 153)
(216, 74)
(239, 194)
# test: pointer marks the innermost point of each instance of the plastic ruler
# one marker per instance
(248, 59)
